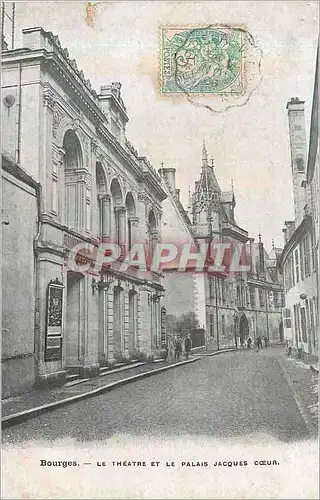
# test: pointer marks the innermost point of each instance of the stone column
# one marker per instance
(134, 223)
(126, 323)
(105, 211)
(46, 173)
(121, 221)
(138, 321)
(94, 198)
(109, 326)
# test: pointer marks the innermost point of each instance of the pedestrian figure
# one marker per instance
(265, 341)
(249, 342)
(178, 349)
(187, 345)
(259, 343)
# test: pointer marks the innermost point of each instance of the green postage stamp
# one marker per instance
(202, 60)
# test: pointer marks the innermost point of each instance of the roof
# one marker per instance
(227, 197)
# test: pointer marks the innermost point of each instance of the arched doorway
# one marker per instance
(244, 329)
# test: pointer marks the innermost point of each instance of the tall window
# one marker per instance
(223, 324)
(303, 324)
(312, 325)
(261, 298)
(74, 203)
(302, 245)
(296, 260)
(131, 212)
(211, 325)
(292, 270)
(286, 314)
(252, 297)
(307, 266)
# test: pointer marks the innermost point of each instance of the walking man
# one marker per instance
(187, 345)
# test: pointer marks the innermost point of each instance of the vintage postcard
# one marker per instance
(160, 249)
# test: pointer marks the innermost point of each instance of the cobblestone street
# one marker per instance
(230, 395)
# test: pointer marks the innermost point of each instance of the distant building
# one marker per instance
(230, 306)
(94, 188)
(299, 262)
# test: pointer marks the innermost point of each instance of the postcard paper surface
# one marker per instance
(160, 259)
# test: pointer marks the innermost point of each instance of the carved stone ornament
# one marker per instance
(49, 99)
(75, 123)
(57, 117)
(94, 145)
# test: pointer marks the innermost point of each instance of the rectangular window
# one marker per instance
(223, 324)
(297, 324)
(307, 267)
(252, 297)
(261, 298)
(312, 325)
(286, 315)
(301, 247)
(303, 324)
(210, 288)
(223, 291)
(211, 325)
(292, 271)
(276, 299)
(296, 259)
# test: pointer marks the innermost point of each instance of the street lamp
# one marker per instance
(102, 284)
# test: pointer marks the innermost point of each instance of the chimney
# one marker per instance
(298, 148)
(261, 256)
(290, 227)
(170, 176)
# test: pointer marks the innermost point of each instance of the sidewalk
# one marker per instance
(38, 401)
(304, 385)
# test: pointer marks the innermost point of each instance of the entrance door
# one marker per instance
(244, 329)
(74, 319)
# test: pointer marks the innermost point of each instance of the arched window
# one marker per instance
(131, 219)
(119, 216)
(103, 203)
(76, 192)
(153, 233)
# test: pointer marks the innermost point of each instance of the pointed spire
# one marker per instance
(259, 236)
(272, 242)
(212, 162)
(232, 186)
(204, 155)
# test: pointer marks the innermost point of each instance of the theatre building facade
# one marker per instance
(95, 188)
